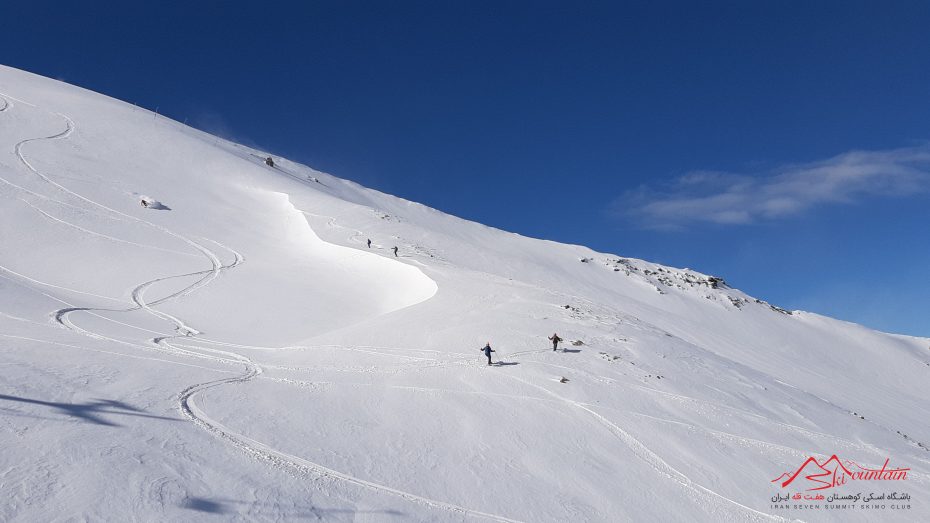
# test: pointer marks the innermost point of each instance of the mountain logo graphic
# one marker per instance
(833, 472)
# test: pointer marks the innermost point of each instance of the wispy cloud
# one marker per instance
(728, 198)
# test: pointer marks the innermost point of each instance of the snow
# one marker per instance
(239, 353)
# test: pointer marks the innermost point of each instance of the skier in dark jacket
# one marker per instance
(555, 341)
(487, 351)
(395, 251)
(269, 162)
(369, 243)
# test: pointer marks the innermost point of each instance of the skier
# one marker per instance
(269, 162)
(395, 251)
(487, 351)
(555, 341)
(369, 243)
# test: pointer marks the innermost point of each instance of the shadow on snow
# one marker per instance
(90, 411)
(228, 506)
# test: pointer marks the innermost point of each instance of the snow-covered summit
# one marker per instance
(188, 333)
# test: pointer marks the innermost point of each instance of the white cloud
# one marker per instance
(727, 198)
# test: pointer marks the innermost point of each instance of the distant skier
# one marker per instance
(369, 243)
(269, 162)
(487, 351)
(555, 341)
(395, 251)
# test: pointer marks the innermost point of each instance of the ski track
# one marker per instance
(44, 284)
(18, 151)
(357, 235)
(121, 354)
(722, 406)
(801, 453)
(8, 97)
(715, 405)
(42, 196)
(56, 313)
(24, 320)
(262, 451)
(655, 461)
(104, 236)
(61, 315)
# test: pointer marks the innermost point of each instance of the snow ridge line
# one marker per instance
(6, 104)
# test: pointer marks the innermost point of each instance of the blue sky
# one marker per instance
(781, 145)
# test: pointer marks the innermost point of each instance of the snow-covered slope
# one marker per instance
(238, 352)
